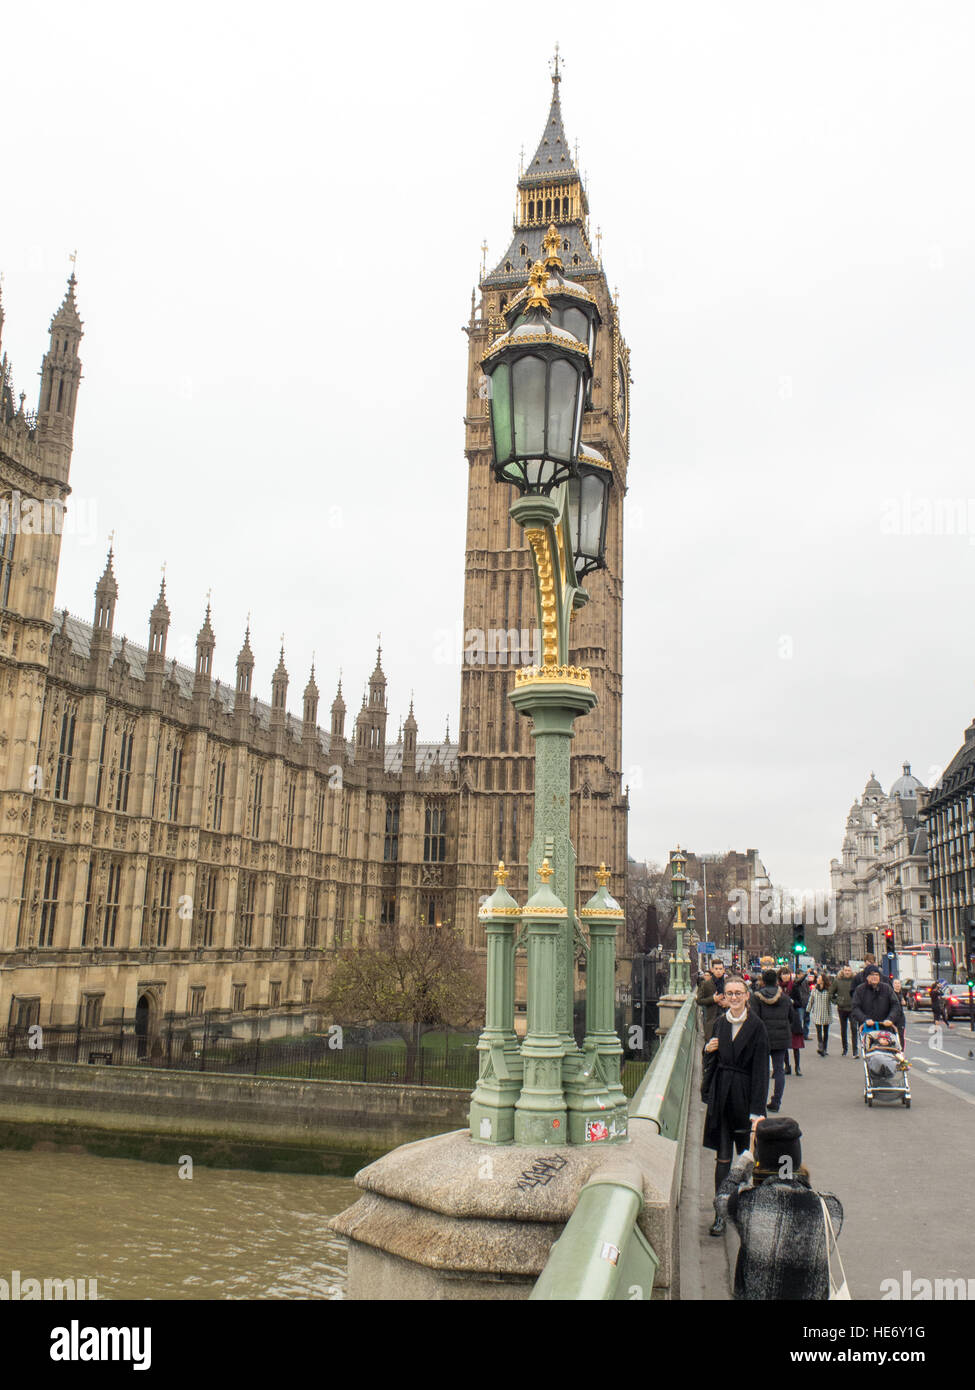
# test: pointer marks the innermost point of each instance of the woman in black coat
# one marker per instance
(773, 1005)
(735, 1082)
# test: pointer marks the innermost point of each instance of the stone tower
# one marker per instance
(35, 459)
(495, 760)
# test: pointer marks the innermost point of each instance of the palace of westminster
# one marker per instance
(169, 842)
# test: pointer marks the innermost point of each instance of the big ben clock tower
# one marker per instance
(495, 762)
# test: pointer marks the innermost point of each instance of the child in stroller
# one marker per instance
(884, 1065)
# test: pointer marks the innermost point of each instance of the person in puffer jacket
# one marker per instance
(773, 1007)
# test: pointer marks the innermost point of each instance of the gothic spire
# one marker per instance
(553, 155)
(67, 315)
(106, 592)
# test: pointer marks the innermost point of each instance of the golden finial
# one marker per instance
(551, 246)
(599, 244)
(484, 251)
(556, 75)
(537, 281)
(602, 875)
(545, 872)
(501, 873)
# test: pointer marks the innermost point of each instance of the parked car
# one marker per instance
(956, 1002)
(917, 996)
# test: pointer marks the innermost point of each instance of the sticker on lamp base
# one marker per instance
(596, 1130)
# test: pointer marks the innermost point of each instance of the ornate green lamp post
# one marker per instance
(680, 966)
(549, 1091)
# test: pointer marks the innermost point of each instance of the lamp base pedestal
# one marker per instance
(668, 1007)
(446, 1218)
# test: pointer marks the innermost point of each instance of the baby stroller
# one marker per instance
(884, 1066)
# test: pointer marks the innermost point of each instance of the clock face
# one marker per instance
(621, 401)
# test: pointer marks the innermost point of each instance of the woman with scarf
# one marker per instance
(735, 1081)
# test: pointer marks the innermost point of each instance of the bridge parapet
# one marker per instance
(621, 1242)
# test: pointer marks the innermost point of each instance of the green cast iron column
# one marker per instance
(596, 1099)
(540, 1111)
(492, 1114)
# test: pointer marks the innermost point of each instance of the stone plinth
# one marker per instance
(668, 1006)
(447, 1218)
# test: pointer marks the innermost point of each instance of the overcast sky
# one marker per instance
(278, 213)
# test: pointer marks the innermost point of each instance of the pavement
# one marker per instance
(900, 1174)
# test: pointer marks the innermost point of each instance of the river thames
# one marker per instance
(143, 1232)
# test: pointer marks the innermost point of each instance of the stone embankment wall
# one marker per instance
(225, 1121)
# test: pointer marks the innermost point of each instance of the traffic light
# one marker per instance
(889, 941)
(799, 941)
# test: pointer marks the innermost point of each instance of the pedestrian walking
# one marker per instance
(774, 1007)
(791, 986)
(710, 996)
(896, 986)
(735, 1081)
(821, 1011)
(786, 1229)
(875, 1002)
(800, 997)
(938, 1014)
(810, 979)
(860, 978)
(842, 996)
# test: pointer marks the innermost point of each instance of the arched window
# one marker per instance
(548, 207)
(531, 210)
(507, 265)
(565, 210)
(524, 249)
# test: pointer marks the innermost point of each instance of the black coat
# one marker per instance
(879, 1004)
(800, 992)
(736, 1077)
(774, 1007)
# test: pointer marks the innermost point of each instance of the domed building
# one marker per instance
(880, 882)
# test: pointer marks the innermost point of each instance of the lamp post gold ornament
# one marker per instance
(548, 1091)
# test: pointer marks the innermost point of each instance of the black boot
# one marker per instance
(795, 1053)
(788, 1069)
(718, 1228)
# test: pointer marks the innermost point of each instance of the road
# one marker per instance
(899, 1173)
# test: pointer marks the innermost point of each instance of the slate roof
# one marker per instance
(78, 633)
(531, 238)
(553, 156)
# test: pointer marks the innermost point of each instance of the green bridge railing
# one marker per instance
(602, 1253)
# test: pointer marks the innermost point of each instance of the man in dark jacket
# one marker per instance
(710, 996)
(842, 996)
(875, 1002)
(773, 1006)
(735, 1083)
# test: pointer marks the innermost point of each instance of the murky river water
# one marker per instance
(143, 1232)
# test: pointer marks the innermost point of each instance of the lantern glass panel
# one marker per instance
(563, 390)
(574, 321)
(580, 406)
(590, 516)
(528, 383)
(500, 388)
